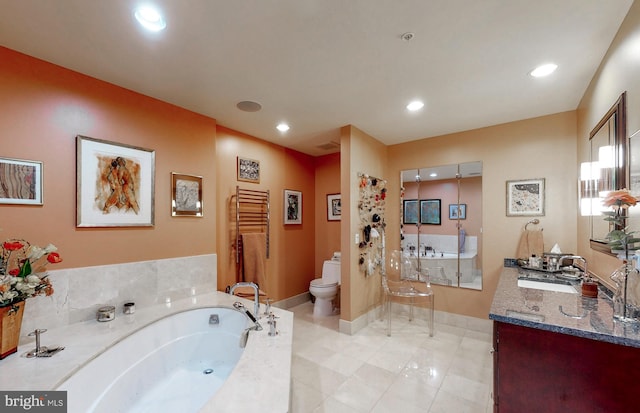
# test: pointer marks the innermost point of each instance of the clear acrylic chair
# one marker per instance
(404, 283)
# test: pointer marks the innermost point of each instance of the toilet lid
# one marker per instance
(331, 271)
(317, 282)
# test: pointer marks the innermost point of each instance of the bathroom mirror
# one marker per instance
(441, 222)
(606, 170)
(633, 223)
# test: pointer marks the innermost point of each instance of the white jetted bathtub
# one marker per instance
(449, 263)
(176, 364)
(166, 357)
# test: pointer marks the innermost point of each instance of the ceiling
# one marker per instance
(323, 64)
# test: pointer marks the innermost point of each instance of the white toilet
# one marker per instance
(325, 289)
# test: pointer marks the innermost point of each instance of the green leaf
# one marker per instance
(25, 269)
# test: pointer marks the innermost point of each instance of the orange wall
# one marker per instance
(542, 147)
(290, 266)
(327, 232)
(43, 107)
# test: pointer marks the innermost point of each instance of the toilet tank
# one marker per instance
(331, 272)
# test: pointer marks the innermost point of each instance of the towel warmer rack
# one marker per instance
(252, 211)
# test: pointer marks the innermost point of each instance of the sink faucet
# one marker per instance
(575, 257)
(256, 294)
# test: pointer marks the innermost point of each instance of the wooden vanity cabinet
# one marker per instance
(541, 371)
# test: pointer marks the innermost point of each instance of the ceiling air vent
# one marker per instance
(329, 146)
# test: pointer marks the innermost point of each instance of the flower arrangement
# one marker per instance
(620, 238)
(23, 270)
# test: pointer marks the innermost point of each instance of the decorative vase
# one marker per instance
(626, 299)
(10, 324)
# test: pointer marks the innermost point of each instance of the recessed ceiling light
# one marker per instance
(249, 106)
(150, 18)
(544, 70)
(433, 174)
(282, 127)
(415, 105)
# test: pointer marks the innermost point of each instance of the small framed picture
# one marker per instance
(525, 197)
(186, 195)
(430, 212)
(410, 211)
(457, 211)
(292, 207)
(248, 170)
(334, 208)
(20, 182)
(115, 184)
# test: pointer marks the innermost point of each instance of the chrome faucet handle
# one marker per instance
(39, 349)
(267, 307)
(272, 325)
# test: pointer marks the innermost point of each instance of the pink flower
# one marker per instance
(621, 198)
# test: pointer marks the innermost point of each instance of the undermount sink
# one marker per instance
(547, 286)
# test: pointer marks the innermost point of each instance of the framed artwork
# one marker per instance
(457, 211)
(525, 197)
(248, 170)
(334, 208)
(410, 211)
(20, 182)
(430, 212)
(186, 195)
(292, 207)
(115, 184)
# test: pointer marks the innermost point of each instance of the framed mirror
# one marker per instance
(606, 170)
(445, 234)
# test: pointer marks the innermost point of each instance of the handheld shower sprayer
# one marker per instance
(239, 306)
(256, 325)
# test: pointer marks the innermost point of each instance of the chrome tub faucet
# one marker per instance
(256, 294)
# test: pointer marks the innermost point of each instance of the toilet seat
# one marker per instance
(317, 283)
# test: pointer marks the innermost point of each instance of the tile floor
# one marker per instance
(405, 373)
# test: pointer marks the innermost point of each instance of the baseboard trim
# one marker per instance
(352, 327)
(291, 302)
(440, 317)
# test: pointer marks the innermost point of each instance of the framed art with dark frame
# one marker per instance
(115, 184)
(186, 195)
(292, 207)
(430, 212)
(248, 170)
(457, 211)
(410, 211)
(334, 207)
(20, 182)
(525, 197)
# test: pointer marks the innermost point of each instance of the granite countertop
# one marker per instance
(563, 313)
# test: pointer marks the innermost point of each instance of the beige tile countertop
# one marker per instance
(259, 382)
(560, 312)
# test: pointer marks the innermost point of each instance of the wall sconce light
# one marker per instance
(590, 189)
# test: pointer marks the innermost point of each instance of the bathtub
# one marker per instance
(127, 360)
(175, 364)
(449, 263)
